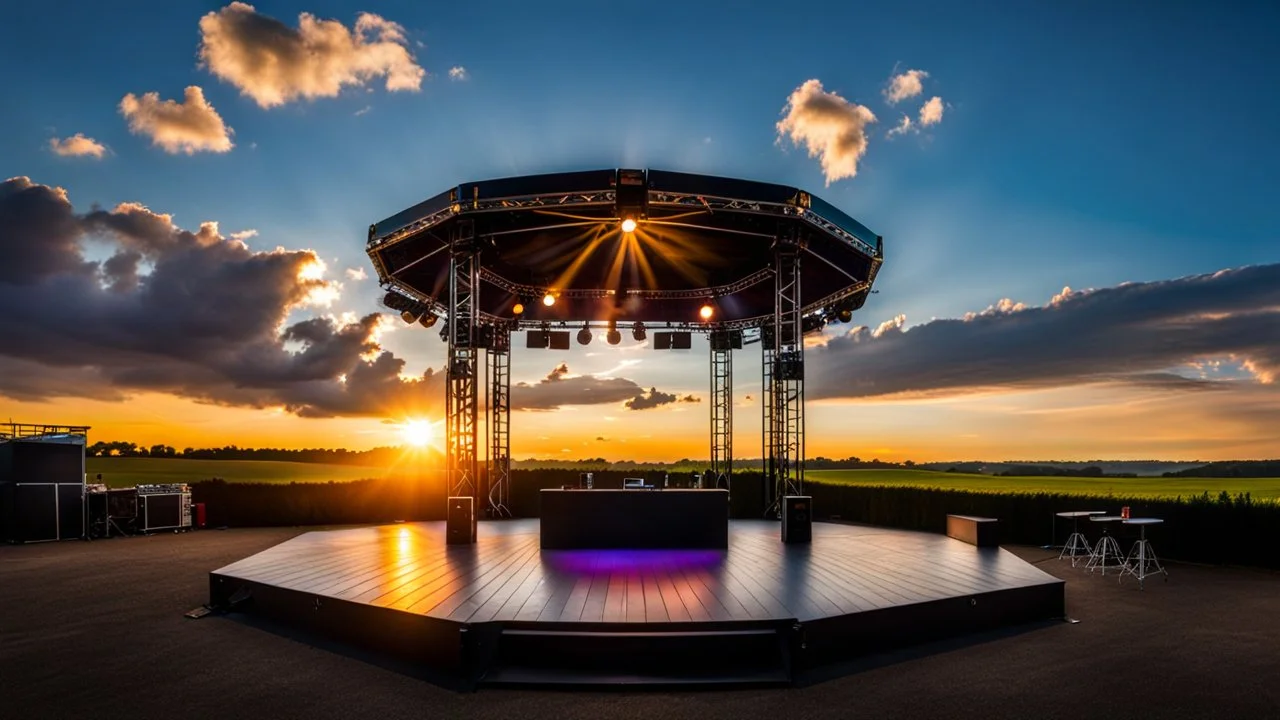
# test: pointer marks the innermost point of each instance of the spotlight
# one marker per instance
(549, 299)
(427, 320)
(409, 316)
(584, 336)
(637, 332)
(614, 337)
(706, 311)
(517, 309)
(845, 315)
(628, 225)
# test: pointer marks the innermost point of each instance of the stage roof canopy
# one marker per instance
(625, 245)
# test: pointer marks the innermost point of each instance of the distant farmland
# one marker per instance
(1150, 487)
(126, 472)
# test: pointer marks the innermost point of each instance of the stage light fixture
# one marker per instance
(628, 225)
(409, 316)
(427, 320)
(549, 299)
(613, 337)
(584, 336)
(637, 332)
(845, 315)
(706, 312)
(517, 309)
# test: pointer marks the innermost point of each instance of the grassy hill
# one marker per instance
(126, 472)
(1153, 487)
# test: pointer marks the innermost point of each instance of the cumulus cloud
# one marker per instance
(176, 127)
(831, 128)
(193, 314)
(1135, 334)
(77, 146)
(656, 398)
(242, 235)
(931, 112)
(357, 274)
(560, 388)
(905, 86)
(458, 73)
(273, 63)
(902, 128)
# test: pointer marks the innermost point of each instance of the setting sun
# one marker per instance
(419, 433)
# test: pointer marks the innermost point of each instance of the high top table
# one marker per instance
(1142, 560)
(1106, 547)
(1077, 544)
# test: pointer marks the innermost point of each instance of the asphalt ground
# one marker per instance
(96, 630)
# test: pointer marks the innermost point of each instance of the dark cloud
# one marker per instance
(1133, 333)
(656, 398)
(206, 321)
(559, 388)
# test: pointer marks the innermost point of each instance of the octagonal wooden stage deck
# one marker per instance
(505, 611)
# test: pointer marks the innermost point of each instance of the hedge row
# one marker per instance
(1222, 529)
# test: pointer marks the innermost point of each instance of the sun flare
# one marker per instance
(419, 433)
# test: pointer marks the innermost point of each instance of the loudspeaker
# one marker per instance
(797, 519)
(460, 523)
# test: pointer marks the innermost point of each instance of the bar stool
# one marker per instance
(1077, 544)
(1142, 560)
(1106, 547)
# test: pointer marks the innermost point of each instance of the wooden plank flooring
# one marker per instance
(506, 577)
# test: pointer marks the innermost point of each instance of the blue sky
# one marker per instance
(1084, 144)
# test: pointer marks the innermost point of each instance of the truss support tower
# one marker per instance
(784, 381)
(721, 406)
(462, 335)
(499, 422)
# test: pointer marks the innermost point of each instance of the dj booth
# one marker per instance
(574, 519)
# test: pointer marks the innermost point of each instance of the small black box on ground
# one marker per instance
(460, 523)
(797, 519)
(980, 531)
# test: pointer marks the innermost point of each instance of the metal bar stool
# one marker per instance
(1077, 545)
(1107, 548)
(1142, 560)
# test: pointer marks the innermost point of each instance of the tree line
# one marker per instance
(377, 457)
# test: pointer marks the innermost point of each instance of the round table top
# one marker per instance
(1080, 513)
(1143, 521)
(1106, 518)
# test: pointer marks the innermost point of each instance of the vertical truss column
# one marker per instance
(767, 355)
(721, 405)
(786, 378)
(499, 412)
(463, 376)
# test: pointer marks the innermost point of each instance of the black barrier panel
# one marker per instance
(46, 462)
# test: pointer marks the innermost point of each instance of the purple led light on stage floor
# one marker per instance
(589, 561)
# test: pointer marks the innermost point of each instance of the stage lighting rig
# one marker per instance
(613, 337)
(706, 312)
(638, 332)
(549, 299)
(518, 308)
(428, 320)
(584, 336)
(628, 225)
(409, 316)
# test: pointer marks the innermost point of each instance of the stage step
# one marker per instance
(754, 656)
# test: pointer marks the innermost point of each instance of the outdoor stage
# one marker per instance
(505, 611)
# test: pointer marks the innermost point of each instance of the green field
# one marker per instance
(127, 472)
(1259, 488)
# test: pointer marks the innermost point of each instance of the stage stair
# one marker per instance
(617, 655)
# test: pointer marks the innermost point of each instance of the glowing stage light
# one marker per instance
(549, 299)
(628, 225)
(427, 320)
(706, 311)
(517, 309)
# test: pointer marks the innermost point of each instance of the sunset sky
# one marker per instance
(1078, 202)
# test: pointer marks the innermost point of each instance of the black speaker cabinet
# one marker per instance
(460, 523)
(797, 519)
